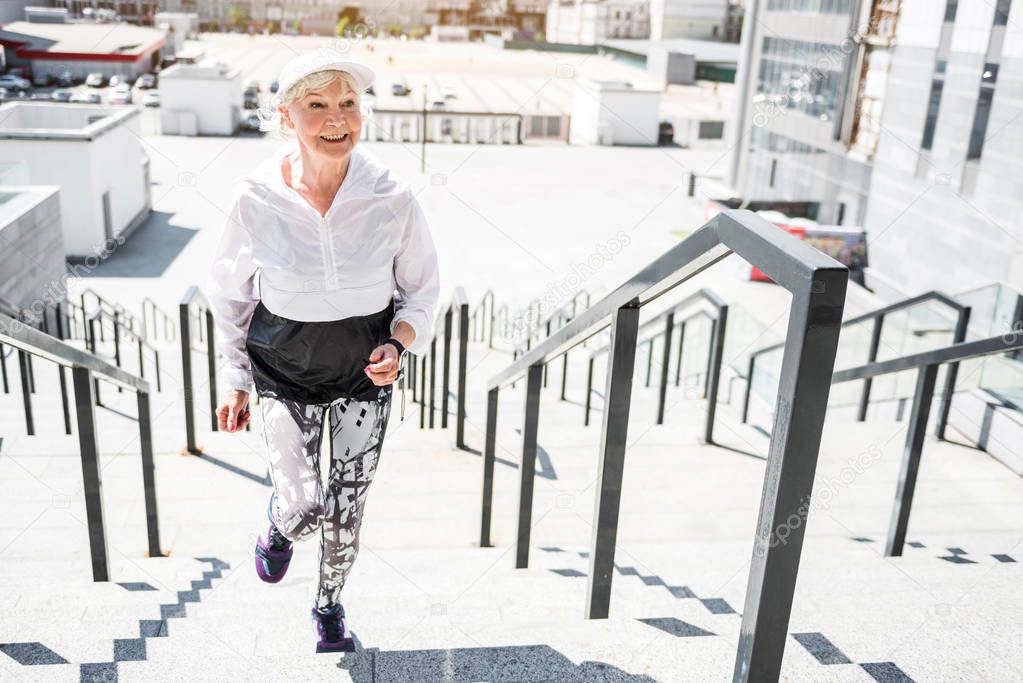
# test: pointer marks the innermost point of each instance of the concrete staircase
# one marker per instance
(425, 603)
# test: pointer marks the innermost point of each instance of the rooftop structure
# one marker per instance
(94, 156)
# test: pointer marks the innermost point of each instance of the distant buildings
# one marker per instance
(588, 22)
(700, 19)
(81, 48)
(904, 118)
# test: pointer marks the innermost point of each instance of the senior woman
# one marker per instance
(325, 273)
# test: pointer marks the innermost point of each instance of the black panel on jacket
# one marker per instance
(315, 362)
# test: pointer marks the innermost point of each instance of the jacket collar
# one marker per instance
(359, 182)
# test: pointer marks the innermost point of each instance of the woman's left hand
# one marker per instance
(383, 367)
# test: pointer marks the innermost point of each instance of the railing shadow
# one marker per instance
(502, 664)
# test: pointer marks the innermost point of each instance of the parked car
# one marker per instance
(40, 96)
(66, 79)
(253, 86)
(145, 82)
(62, 95)
(116, 80)
(96, 80)
(448, 92)
(42, 80)
(400, 89)
(86, 97)
(14, 83)
(151, 99)
(439, 105)
(121, 94)
(251, 122)
(250, 100)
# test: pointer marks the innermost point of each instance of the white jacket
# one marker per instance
(372, 245)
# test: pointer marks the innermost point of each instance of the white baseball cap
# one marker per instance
(322, 59)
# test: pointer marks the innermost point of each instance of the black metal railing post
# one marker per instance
(669, 325)
(3, 370)
(489, 459)
(117, 344)
(82, 380)
(530, 422)
(710, 356)
(916, 433)
(446, 371)
(433, 377)
(681, 344)
(26, 392)
(564, 374)
(188, 396)
(750, 369)
(611, 459)
(211, 366)
(589, 392)
(148, 474)
(422, 392)
(805, 382)
(649, 361)
(714, 372)
(463, 361)
(875, 344)
(951, 373)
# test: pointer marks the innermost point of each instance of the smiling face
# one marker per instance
(325, 117)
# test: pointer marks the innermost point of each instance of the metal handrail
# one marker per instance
(136, 336)
(443, 325)
(84, 367)
(715, 354)
(712, 378)
(818, 284)
(112, 306)
(926, 364)
(150, 310)
(878, 316)
(194, 297)
(485, 323)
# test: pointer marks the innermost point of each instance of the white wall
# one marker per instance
(602, 115)
(215, 103)
(84, 170)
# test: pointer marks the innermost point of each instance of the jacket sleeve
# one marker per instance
(231, 291)
(417, 276)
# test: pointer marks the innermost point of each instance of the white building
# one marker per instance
(81, 48)
(588, 22)
(32, 267)
(178, 26)
(614, 113)
(701, 19)
(94, 155)
(200, 99)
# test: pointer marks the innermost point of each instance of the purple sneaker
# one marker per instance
(332, 630)
(273, 553)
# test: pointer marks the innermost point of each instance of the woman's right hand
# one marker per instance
(233, 415)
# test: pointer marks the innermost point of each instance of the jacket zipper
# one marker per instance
(327, 245)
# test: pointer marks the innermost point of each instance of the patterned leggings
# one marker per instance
(293, 432)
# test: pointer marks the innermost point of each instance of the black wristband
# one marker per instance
(397, 344)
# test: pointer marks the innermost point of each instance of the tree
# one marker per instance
(237, 15)
(342, 25)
